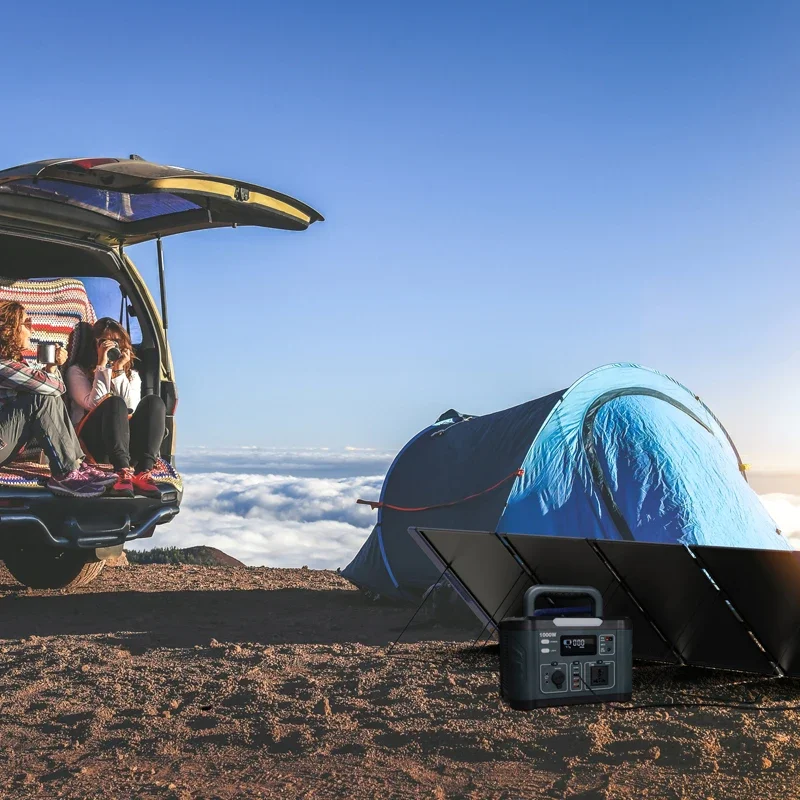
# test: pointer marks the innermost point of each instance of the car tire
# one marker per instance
(43, 567)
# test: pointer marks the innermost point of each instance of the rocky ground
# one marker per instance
(215, 682)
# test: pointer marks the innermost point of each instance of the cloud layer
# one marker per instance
(273, 520)
(289, 507)
(312, 461)
(785, 510)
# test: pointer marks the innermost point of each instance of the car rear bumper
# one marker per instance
(77, 523)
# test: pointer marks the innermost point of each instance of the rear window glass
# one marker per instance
(105, 296)
(120, 206)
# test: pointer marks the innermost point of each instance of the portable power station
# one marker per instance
(550, 659)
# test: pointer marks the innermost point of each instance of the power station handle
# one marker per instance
(529, 602)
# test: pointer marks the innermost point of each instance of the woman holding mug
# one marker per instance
(115, 423)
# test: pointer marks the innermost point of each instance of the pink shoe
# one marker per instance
(97, 474)
(75, 484)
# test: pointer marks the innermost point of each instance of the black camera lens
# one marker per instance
(114, 354)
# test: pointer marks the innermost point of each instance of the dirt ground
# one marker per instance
(217, 682)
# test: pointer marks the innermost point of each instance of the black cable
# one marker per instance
(735, 706)
(710, 702)
(586, 685)
(723, 702)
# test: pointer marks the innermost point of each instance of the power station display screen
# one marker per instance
(578, 645)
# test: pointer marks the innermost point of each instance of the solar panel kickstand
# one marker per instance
(419, 608)
(742, 621)
(618, 578)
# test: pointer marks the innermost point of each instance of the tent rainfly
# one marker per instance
(626, 453)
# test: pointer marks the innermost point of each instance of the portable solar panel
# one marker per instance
(719, 607)
(686, 605)
(764, 588)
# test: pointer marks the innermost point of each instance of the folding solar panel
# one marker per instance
(764, 588)
(692, 613)
(567, 561)
(481, 568)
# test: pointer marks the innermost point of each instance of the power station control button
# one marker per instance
(545, 649)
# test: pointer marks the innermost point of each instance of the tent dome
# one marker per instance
(625, 453)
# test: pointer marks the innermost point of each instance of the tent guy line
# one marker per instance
(374, 504)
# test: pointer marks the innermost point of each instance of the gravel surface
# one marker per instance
(216, 682)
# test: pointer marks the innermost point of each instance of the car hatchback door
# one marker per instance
(125, 201)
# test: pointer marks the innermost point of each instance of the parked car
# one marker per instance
(65, 225)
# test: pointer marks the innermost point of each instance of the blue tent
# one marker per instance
(624, 453)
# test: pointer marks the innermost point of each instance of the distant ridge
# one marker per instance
(202, 555)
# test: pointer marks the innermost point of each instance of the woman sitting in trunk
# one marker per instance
(31, 407)
(115, 423)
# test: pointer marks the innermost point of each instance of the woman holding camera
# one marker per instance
(115, 423)
(31, 408)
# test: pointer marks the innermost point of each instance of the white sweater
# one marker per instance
(85, 394)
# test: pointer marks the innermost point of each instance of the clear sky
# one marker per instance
(515, 193)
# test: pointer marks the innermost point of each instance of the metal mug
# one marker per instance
(114, 354)
(46, 353)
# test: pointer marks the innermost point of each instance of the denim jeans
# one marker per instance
(44, 417)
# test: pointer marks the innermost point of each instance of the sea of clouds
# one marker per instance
(318, 462)
(785, 510)
(276, 507)
(288, 508)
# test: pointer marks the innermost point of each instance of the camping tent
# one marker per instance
(625, 453)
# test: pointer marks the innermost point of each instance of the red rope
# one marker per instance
(377, 504)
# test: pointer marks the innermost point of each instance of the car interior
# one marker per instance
(60, 285)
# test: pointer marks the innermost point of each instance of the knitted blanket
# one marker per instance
(32, 475)
(55, 308)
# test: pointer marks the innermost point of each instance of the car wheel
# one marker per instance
(43, 567)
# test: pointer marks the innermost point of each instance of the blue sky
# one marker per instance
(515, 193)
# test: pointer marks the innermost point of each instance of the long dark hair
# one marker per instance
(88, 336)
(12, 315)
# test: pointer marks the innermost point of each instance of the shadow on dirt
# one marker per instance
(144, 620)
